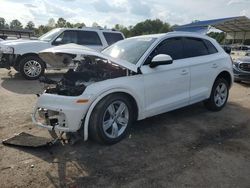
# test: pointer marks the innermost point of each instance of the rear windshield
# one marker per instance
(112, 38)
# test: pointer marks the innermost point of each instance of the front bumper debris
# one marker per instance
(59, 113)
(27, 140)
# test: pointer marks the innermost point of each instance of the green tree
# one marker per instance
(61, 22)
(41, 30)
(2, 23)
(145, 27)
(150, 27)
(122, 29)
(79, 25)
(69, 25)
(30, 25)
(16, 24)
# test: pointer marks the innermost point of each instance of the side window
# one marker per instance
(88, 38)
(194, 47)
(67, 37)
(112, 38)
(210, 47)
(172, 47)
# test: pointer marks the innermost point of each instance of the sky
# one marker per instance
(125, 12)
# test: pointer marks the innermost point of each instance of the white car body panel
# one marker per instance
(26, 46)
(155, 90)
(159, 94)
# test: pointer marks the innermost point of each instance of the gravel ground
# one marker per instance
(190, 147)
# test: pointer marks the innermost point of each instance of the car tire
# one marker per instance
(31, 67)
(107, 125)
(219, 95)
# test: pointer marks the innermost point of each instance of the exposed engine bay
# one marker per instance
(89, 70)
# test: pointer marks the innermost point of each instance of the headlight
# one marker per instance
(7, 50)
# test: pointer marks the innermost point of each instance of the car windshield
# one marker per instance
(130, 49)
(50, 35)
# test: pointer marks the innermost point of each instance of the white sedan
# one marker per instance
(132, 80)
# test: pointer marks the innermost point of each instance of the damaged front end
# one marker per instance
(63, 105)
(87, 67)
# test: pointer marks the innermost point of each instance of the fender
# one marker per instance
(218, 73)
(99, 98)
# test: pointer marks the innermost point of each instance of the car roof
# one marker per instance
(174, 34)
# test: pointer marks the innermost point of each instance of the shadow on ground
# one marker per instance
(157, 151)
(17, 84)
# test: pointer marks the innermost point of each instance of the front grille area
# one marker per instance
(245, 67)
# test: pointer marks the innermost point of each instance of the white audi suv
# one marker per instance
(133, 79)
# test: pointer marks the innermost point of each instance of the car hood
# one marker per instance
(66, 53)
(18, 41)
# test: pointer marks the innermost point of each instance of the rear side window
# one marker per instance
(112, 38)
(88, 38)
(172, 47)
(194, 47)
(210, 47)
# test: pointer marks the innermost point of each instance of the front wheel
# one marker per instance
(219, 95)
(31, 67)
(111, 119)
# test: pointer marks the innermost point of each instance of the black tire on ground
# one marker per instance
(210, 103)
(96, 129)
(33, 59)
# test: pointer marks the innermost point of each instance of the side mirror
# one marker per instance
(58, 41)
(161, 59)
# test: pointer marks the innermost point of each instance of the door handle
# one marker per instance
(184, 72)
(214, 66)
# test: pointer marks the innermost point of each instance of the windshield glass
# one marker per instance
(50, 35)
(129, 50)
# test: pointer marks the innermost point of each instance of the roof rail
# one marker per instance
(99, 27)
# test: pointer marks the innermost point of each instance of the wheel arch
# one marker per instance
(227, 76)
(132, 98)
(20, 57)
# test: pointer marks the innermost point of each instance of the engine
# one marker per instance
(89, 70)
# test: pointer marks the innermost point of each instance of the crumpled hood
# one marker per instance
(55, 56)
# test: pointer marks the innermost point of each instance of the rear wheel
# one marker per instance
(31, 67)
(111, 119)
(219, 95)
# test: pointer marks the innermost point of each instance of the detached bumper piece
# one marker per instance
(27, 140)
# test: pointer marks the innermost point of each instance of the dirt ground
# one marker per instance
(190, 147)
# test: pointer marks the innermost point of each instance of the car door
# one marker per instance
(90, 39)
(201, 56)
(166, 86)
(66, 37)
